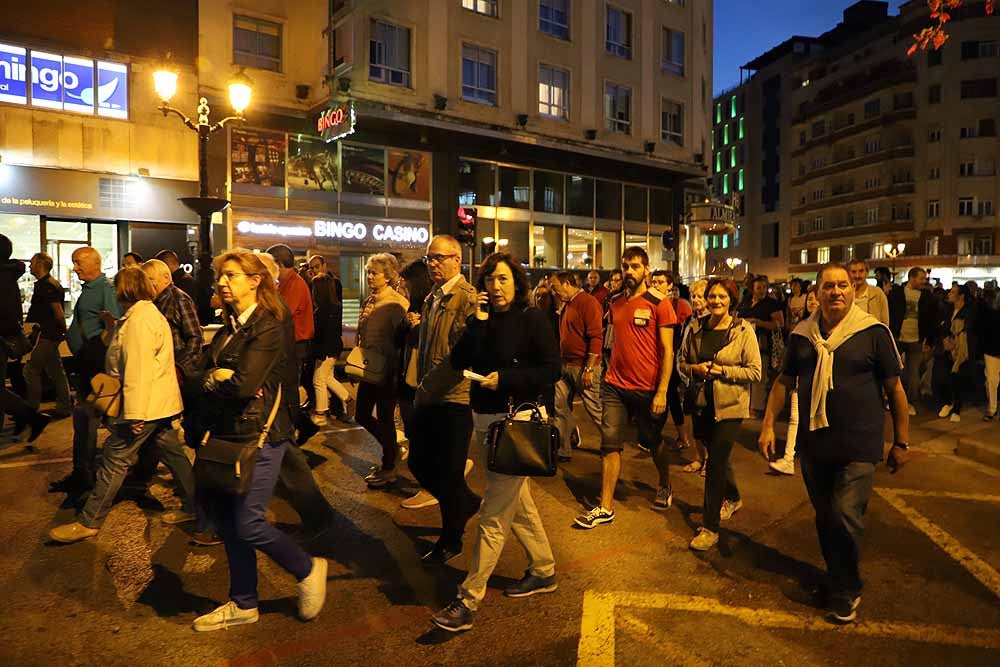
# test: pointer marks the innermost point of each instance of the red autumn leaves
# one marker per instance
(935, 35)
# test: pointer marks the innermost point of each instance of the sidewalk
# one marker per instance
(971, 438)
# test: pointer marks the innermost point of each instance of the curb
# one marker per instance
(978, 451)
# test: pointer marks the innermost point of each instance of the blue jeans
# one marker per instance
(121, 450)
(839, 493)
(244, 530)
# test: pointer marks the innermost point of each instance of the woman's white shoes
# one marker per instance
(224, 617)
(312, 591)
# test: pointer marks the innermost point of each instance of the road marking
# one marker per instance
(951, 495)
(597, 626)
(976, 566)
(672, 653)
(26, 464)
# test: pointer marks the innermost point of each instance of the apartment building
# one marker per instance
(878, 148)
(567, 128)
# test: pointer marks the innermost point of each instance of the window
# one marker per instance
(718, 162)
(982, 245)
(986, 167)
(902, 101)
(934, 208)
(934, 135)
(934, 94)
(848, 253)
(609, 200)
(987, 127)
(389, 54)
(934, 174)
(739, 180)
(673, 51)
(553, 18)
(803, 256)
(966, 206)
(580, 196)
(672, 123)
(871, 215)
(515, 187)
(548, 192)
(985, 208)
(965, 244)
(818, 128)
(975, 49)
(479, 74)
(553, 92)
(732, 157)
(618, 108)
(873, 183)
(823, 254)
(256, 43)
(878, 250)
(934, 57)
(849, 219)
(819, 223)
(872, 109)
(901, 211)
(931, 246)
(818, 194)
(484, 7)
(978, 88)
(718, 113)
(968, 132)
(967, 168)
(619, 32)
(725, 135)
(872, 145)
(741, 135)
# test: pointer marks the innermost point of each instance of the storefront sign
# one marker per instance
(268, 229)
(342, 230)
(54, 81)
(336, 122)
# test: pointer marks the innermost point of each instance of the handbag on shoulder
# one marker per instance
(366, 364)
(226, 464)
(523, 447)
(106, 395)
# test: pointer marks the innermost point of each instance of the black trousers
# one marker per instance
(439, 446)
(720, 482)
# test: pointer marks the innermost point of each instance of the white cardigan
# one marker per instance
(141, 355)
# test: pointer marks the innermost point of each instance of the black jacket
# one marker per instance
(328, 314)
(258, 353)
(11, 314)
(928, 315)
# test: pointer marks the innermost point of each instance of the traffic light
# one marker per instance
(467, 226)
(668, 240)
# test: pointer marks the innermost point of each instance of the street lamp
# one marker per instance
(893, 251)
(240, 92)
(732, 263)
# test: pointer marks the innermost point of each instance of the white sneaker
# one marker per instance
(704, 540)
(419, 500)
(318, 418)
(468, 466)
(224, 617)
(945, 411)
(955, 418)
(784, 466)
(312, 591)
(912, 410)
(728, 509)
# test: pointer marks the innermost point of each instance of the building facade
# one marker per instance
(85, 157)
(877, 147)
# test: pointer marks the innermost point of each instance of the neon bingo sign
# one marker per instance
(64, 83)
(336, 122)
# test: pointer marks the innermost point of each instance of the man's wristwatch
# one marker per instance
(901, 445)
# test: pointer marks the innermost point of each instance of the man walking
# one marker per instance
(843, 359)
(580, 335)
(47, 312)
(95, 309)
(870, 299)
(912, 320)
(442, 416)
(642, 359)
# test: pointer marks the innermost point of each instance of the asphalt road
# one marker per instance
(630, 593)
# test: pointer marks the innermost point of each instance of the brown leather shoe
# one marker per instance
(72, 532)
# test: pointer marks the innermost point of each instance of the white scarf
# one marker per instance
(854, 322)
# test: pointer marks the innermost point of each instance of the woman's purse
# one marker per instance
(523, 447)
(366, 364)
(106, 395)
(225, 464)
(695, 399)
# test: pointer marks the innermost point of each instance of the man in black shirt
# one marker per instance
(47, 311)
(842, 360)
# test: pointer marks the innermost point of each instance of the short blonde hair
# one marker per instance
(699, 285)
(132, 285)
(385, 264)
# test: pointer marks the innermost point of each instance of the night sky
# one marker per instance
(745, 29)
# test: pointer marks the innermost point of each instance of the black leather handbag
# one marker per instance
(225, 464)
(523, 447)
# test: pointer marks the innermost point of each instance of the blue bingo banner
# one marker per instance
(70, 83)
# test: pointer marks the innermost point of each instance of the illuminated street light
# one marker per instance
(732, 263)
(893, 251)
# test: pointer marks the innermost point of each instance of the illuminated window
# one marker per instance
(725, 135)
(725, 184)
(732, 107)
(739, 181)
(741, 127)
(718, 113)
(718, 162)
(732, 157)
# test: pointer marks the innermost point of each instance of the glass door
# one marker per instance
(352, 277)
(61, 253)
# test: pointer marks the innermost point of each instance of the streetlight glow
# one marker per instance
(165, 83)
(240, 92)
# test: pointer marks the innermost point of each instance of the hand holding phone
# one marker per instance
(483, 311)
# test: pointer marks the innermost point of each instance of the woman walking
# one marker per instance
(721, 356)
(250, 359)
(699, 309)
(328, 343)
(378, 325)
(956, 346)
(511, 344)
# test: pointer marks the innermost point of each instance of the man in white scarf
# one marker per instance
(844, 361)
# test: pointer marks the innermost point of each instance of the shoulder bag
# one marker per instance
(364, 363)
(225, 464)
(523, 447)
(106, 395)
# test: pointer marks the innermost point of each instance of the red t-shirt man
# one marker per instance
(294, 290)
(636, 354)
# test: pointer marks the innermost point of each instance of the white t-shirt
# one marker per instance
(910, 333)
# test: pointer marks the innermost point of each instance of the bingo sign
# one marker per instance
(336, 122)
(53, 81)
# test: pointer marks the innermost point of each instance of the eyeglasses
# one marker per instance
(437, 259)
(229, 276)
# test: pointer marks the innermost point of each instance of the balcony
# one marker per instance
(838, 231)
(847, 164)
(853, 198)
(845, 131)
(888, 73)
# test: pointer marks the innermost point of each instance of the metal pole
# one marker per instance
(205, 226)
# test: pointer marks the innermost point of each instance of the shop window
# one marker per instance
(476, 183)
(515, 187)
(515, 234)
(660, 205)
(609, 200)
(607, 250)
(579, 248)
(635, 203)
(548, 244)
(581, 196)
(24, 232)
(548, 192)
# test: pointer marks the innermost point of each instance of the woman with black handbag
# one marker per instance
(721, 356)
(249, 357)
(512, 346)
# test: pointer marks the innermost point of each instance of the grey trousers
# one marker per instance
(45, 362)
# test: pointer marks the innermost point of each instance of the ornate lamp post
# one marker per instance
(893, 251)
(732, 263)
(165, 83)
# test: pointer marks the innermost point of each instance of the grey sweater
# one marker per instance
(739, 359)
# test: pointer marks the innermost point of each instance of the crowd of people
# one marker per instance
(455, 357)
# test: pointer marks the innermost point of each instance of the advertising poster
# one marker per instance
(409, 174)
(312, 164)
(258, 158)
(364, 170)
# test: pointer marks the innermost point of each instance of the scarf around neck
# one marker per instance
(853, 323)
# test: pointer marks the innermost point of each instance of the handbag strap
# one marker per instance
(270, 419)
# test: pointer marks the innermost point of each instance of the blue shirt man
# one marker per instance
(98, 295)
